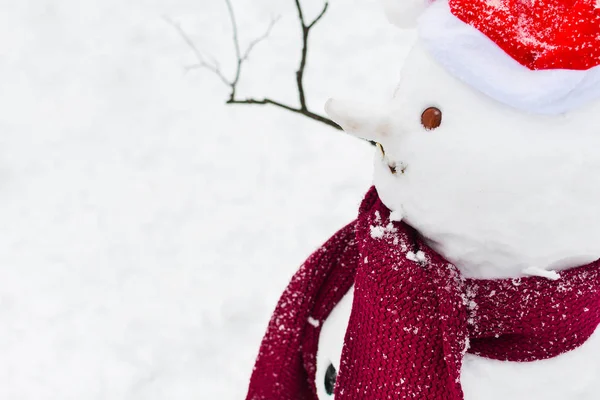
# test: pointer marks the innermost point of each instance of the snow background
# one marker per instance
(148, 229)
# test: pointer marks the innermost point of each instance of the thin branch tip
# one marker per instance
(318, 18)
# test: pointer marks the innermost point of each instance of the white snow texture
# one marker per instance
(147, 230)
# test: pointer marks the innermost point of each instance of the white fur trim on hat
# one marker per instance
(473, 58)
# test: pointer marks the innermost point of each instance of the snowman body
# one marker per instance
(498, 191)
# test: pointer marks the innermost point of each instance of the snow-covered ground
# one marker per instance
(147, 229)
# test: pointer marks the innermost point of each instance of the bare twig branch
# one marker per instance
(202, 63)
(213, 65)
(260, 38)
(305, 36)
(319, 16)
(234, 28)
(238, 54)
(306, 113)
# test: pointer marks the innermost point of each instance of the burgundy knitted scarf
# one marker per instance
(414, 317)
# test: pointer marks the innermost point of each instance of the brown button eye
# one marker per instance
(431, 118)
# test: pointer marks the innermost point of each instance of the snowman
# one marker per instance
(471, 271)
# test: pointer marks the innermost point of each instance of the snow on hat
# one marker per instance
(541, 56)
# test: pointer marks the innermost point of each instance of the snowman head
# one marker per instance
(491, 145)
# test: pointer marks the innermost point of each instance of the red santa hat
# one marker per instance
(540, 56)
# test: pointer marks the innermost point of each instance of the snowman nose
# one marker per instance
(366, 121)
